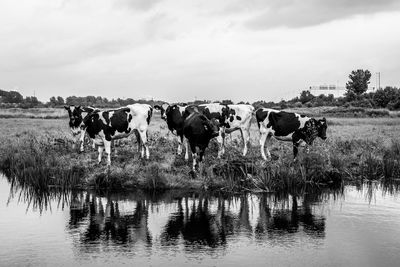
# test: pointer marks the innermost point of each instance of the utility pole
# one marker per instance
(378, 80)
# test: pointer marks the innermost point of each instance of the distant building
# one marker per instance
(332, 89)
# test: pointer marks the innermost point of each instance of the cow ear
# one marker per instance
(66, 107)
(157, 107)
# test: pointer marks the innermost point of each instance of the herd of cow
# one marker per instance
(197, 124)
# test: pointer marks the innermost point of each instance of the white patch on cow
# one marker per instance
(214, 107)
(103, 119)
(165, 106)
(302, 120)
(110, 114)
(182, 109)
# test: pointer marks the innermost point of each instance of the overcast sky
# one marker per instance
(179, 50)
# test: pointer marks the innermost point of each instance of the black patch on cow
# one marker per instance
(260, 116)
(129, 117)
(238, 118)
(231, 118)
(283, 123)
(93, 124)
(118, 121)
(222, 116)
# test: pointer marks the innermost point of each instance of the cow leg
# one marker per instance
(100, 150)
(138, 140)
(186, 148)
(180, 140)
(246, 138)
(221, 142)
(296, 142)
(114, 147)
(194, 155)
(295, 151)
(264, 137)
(107, 146)
(93, 144)
(82, 141)
(145, 147)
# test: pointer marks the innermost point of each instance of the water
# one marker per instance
(349, 227)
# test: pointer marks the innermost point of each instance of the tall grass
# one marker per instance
(47, 160)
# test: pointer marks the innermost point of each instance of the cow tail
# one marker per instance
(149, 115)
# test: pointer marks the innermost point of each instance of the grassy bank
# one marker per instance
(339, 112)
(39, 153)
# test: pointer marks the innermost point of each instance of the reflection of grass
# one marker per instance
(42, 155)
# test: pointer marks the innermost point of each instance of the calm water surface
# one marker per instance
(349, 227)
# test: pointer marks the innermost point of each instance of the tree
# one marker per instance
(358, 83)
(11, 97)
(306, 96)
(60, 100)
(382, 97)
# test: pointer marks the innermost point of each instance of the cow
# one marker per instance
(105, 126)
(231, 118)
(76, 115)
(288, 126)
(199, 130)
(175, 115)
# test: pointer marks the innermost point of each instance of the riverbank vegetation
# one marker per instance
(44, 156)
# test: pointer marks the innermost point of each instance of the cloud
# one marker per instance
(304, 13)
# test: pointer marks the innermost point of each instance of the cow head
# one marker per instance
(313, 129)
(163, 109)
(75, 115)
(321, 126)
(212, 127)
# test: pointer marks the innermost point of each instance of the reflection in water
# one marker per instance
(197, 220)
(199, 227)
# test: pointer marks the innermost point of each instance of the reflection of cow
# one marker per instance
(197, 225)
(279, 222)
(109, 224)
(287, 126)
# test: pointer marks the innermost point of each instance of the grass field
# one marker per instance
(40, 152)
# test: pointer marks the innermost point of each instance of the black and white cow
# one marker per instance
(105, 126)
(76, 115)
(175, 115)
(288, 126)
(199, 130)
(231, 118)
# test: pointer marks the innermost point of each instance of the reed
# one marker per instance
(46, 160)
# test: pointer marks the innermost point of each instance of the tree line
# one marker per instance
(356, 96)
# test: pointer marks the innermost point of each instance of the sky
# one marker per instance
(181, 50)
